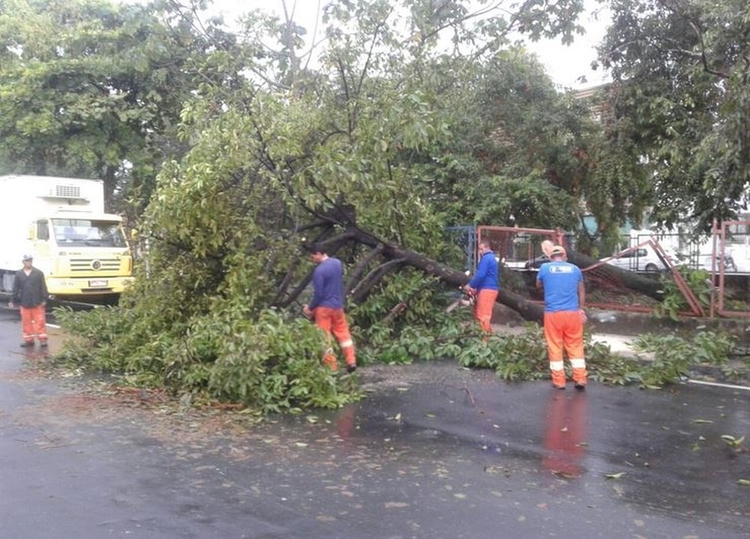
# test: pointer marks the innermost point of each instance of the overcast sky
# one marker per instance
(565, 64)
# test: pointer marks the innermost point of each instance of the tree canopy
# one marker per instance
(94, 89)
(680, 99)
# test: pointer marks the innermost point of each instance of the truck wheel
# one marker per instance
(651, 268)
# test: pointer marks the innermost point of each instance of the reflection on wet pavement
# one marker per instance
(565, 433)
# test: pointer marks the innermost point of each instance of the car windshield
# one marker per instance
(86, 232)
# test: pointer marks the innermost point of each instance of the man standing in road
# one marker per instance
(484, 286)
(327, 306)
(30, 294)
(564, 300)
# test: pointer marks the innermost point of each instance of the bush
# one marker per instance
(271, 364)
(674, 356)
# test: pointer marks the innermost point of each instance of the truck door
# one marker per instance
(40, 239)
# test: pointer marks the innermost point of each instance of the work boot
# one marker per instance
(351, 368)
(580, 386)
(26, 344)
(558, 379)
(43, 344)
(580, 375)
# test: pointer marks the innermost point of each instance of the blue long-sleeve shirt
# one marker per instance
(328, 285)
(487, 276)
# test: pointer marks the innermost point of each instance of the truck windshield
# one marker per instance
(88, 233)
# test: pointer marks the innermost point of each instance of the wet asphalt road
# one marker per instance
(434, 451)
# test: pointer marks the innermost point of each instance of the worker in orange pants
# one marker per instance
(327, 306)
(564, 298)
(30, 294)
(484, 286)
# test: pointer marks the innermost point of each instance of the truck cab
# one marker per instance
(61, 222)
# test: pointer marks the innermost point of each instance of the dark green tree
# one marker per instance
(92, 88)
(680, 103)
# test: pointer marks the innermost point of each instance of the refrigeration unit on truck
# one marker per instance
(61, 222)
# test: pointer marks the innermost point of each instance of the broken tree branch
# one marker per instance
(360, 268)
(365, 286)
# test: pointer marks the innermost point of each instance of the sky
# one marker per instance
(565, 64)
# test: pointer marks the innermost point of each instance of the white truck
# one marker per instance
(61, 222)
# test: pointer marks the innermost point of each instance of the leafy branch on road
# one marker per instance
(272, 365)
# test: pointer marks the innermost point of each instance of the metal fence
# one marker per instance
(724, 256)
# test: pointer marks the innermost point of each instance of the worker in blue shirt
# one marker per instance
(564, 317)
(484, 286)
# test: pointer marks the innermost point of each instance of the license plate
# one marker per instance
(98, 283)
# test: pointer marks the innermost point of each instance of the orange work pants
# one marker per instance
(333, 322)
(33, 322)
(563, 331)
(485, 304)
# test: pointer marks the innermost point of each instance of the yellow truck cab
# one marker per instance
(61, 222)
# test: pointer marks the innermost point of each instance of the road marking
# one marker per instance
(717, 384)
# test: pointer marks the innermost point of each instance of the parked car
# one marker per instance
(536, 263)
(642, 259)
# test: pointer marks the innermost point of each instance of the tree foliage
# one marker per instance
(94, 89)
(681, 100)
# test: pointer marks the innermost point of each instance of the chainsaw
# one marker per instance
(464, 301)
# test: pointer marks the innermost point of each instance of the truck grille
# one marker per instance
(79, 265)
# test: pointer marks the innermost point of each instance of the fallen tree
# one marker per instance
(527, 309)
(395, 256)
(631, 280)
(388, 125)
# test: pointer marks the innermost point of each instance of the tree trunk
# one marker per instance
(629, 279)
(527, 309)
